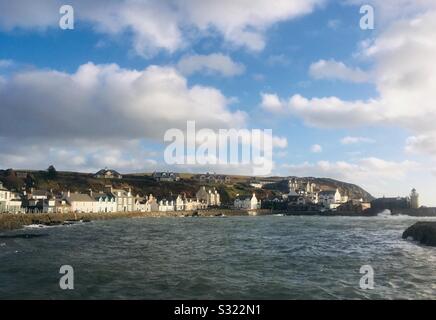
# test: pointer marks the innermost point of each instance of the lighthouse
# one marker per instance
(414, 199)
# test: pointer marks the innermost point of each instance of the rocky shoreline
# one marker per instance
(422, 232)
(10, 221)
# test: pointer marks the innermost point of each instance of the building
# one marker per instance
(210, 197)
(354, 206)
(80, 202)
(391, 204)
(151, 204)
(248, 203)
(307, 189)
(414, 199)
(166, 176)
(213, 178)
(55, 205)
(166, 205)
(107, 174)
(330, 199)
(124, 199)
(296, 200)
(9, 201)
(104, 202)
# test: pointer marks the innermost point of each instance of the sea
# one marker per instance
(263, 257)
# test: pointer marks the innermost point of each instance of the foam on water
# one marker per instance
(215, 258)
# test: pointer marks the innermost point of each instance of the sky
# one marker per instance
(353, 104)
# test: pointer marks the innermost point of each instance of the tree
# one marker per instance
(51, 172)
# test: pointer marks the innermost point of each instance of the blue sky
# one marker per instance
(375, 132)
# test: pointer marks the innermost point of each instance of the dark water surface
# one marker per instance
(219, 258)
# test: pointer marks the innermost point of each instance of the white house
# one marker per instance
(9, 201)
(80, 202)
(151, 204)
(330, 198)
(104, 202)
(247, 204)
(124, 199)
(166, 205)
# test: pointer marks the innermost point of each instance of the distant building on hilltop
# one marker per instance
(166, 176)
(107, 174)
(213, 178)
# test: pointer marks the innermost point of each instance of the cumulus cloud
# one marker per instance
(404, 74)
(331, 69)
(215, 63)
(422, 144)
(356, 140)
(271, 102)
(106, 101)
(105, 115)
(159, 25)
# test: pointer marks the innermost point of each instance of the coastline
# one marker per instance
(12, 221)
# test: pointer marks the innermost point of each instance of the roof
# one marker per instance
(98, 195)
(165, 174)
(40, 193)
(79, 197)
(103, 172)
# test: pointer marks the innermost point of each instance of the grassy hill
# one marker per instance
(144, 184)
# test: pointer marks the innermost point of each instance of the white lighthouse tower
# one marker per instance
(414, 199)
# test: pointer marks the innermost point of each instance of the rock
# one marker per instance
(423, 232)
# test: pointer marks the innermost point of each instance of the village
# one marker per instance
(303, 197)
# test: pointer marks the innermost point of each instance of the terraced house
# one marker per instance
(9, 201)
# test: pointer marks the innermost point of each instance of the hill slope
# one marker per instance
(144, 184)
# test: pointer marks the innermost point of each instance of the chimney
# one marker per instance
(68, 193)
(90, 192)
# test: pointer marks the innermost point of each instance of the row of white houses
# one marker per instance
(112, 200)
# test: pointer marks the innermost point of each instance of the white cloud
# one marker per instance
(404, 74)
(331, 69)
(356, 140)
(105, 101)
(422, 144)
(215, 63)
(271, 102)
(104, 115)
(159, 25)
(316, 148)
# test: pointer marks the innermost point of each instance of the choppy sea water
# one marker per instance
(270, 257)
